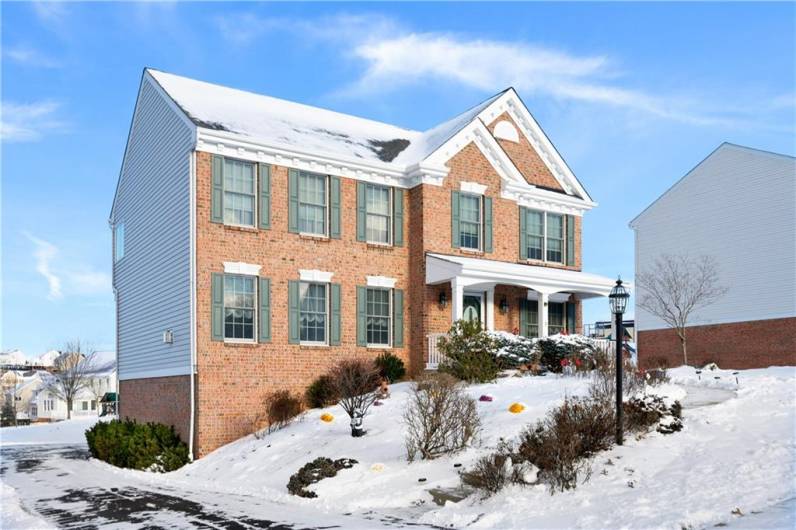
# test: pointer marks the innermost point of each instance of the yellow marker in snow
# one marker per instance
(516, 408)
(328, 418)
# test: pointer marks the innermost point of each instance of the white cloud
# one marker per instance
(44, 253)
(49, 11)
(24, 122)
(27, 56)
(65, 276)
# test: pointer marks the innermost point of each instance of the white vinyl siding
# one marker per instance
(739, 206)
(153, 281)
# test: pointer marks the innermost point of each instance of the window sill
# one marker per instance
(472, 251)
(379, 246)
(241, 344)
(314, 237)
(310, 346)
(241, 228)
(379, 346)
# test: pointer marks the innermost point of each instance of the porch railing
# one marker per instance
(608, 346)
(434, 355)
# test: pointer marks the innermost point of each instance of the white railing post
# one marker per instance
(434, 355)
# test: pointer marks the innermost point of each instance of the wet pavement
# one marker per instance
(63, 486)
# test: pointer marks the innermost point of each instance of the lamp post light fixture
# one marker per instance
(618, 302)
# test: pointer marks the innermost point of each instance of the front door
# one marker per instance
(471, 308)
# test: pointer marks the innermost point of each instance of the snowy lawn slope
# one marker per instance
(738, 453)
(67, 432)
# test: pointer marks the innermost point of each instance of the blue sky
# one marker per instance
(632, 95)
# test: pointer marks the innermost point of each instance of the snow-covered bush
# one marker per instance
(563, 443)
(356, 382)
(646, 412)
(440, 418)
(513, 351)
(469, 353)
(315, 471)
(557, 351)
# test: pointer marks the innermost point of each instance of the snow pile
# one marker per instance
(68, 432)
(14, 516)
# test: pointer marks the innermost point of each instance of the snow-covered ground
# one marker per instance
(736, 453)
(70, 432)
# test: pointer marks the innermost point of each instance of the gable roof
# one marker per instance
(724, 147)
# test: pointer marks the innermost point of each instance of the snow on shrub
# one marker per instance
(646, 412)
(558, 351)
(513, 351)
(469, 353)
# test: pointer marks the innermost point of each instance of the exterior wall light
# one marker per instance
(504, 306)
(443, 300)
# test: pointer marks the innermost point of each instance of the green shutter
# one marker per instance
(362, 303)
(265, 195)
(292, 209)
(398, 217)
(398, 318)
(523, 234)
(455, 231)
(217, 198)
(362, 213)
(571, 317)
(217, 305)
(487, 224)
(523, 316)
(570, 240)
(293, 311)
(265, 310)
(334, 207)
(334, 325)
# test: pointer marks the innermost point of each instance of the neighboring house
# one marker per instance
(604, 329)
(88, 402)
(259, 241)
(739, 206)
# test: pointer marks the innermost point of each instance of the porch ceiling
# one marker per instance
(476, 272)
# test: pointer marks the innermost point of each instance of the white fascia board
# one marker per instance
(317, 276)
(539, 199)
(381, 281)
(237, 267)
(473, 187)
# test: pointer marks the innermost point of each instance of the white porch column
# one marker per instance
(543, 319)
(457, 299)
(490, 309)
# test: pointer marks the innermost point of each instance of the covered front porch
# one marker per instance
(528, 300)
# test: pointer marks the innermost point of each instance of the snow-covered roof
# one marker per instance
(279, 122)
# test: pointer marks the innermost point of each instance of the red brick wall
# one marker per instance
(740, 345)
(164, 400)
(234, 379)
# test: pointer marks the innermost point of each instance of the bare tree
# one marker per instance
(96, 387)
(73, 372)
(677, 285)
(356, 382)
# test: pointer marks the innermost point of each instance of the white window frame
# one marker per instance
(255, 316)
(118, 242)
(390, 219)
(256, 176)
(544, 237)
(480, 222)
(327, 218)
(390, 316)
(327, 309)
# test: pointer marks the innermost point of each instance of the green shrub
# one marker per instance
(576, 349)
(322, 393)
(391, 367)
(470, 353)
(315, 471)
(127, 444)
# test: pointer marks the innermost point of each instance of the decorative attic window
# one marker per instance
(506, 131)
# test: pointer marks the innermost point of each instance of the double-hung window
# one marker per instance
(312, 204)
(313, 313)
(555, 237)
(239, 305)
(535, 234)
(379, 317)
(531, 318)
(239, 192)
(378, 217)
(556, 316)
(470, 221)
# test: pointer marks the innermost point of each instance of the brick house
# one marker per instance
(739, 206)
(258, 241)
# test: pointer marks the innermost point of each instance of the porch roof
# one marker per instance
(477, 272)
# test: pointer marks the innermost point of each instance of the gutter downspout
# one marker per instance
(192, 164)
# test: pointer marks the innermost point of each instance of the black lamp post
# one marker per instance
(618, 301)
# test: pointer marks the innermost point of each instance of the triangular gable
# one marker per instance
(509, 102)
